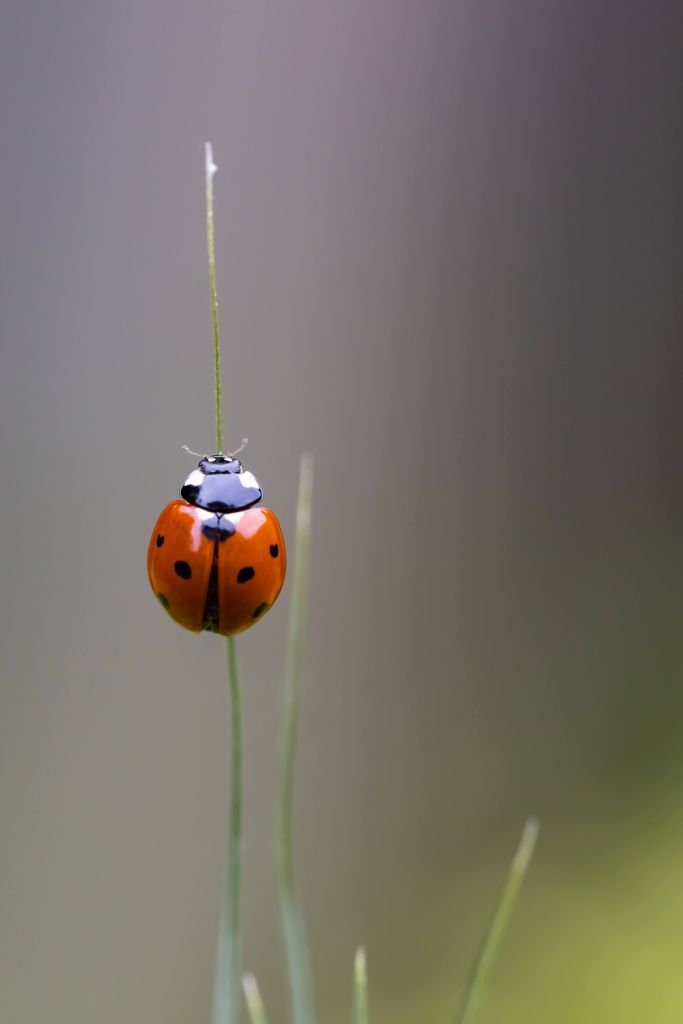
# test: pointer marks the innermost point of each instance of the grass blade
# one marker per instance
(360, 988)
(218, 390)
(296, 942)
(226, 997)
(500, 921)
(257, 1011)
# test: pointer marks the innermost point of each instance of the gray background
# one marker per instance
(448, 240)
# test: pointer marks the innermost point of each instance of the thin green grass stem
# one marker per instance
(360, 988)
(218, 389)
(226, 1002)
(298, 955)
(257, 1011)
(227, 990)
(499, 923)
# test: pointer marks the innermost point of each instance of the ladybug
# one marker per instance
(214, 561)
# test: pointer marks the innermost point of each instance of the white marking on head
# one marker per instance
(248, 480)
(195, 479)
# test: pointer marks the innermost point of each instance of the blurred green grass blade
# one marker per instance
(500, 921)
(296, 942)
(226, 996)
(360, 988)
(257, 1011)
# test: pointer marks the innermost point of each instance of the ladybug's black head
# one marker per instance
(220, 464)
(219, 485)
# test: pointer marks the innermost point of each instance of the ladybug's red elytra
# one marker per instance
(214, 561)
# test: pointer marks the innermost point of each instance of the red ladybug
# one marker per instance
(214, 562)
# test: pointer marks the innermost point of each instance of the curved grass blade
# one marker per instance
(296, 942)
(257, 1011)
(360, 988)
(500, 921)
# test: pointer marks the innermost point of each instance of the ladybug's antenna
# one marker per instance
(245, 442)
(202, 455)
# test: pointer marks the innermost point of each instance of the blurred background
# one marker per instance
(449, 262)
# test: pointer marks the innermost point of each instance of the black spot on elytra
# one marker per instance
(274, 551)
(261, 610)
(163, 601)
(183, 570)
(160, 539)
(245, 574)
